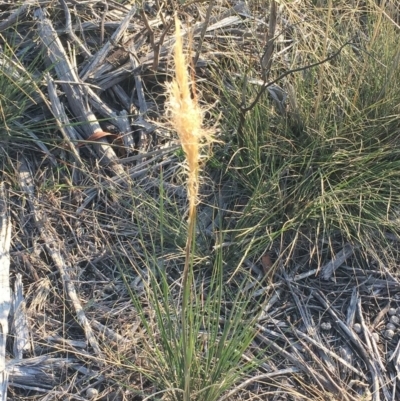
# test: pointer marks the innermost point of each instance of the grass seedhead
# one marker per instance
(186, 118)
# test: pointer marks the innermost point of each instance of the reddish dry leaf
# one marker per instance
(98, 135)
(266, 263)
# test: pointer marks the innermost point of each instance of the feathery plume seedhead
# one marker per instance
(186, 117)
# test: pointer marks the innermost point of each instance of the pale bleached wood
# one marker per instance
(296, 359)
(134, 173)
(18, 15)
(110, 334)
(351, 310)
(103, 52)
(5, 291)
(38, 373)
(355, 340)
(308, 323)
(121, 121)
(127, 133)
(122, 97)
(53, 248)
(76, 95)
(106, 76)
(71, 32)
(145, 128)
(115, 119)
(329, 352)
(67, 130)
(328, 269)
(372, 349)
(20, 328)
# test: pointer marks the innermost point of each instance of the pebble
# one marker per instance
(326, 326)
(91, 393)
(389, 334)
(390, 326)
(357, 328)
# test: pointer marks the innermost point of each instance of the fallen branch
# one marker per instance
(243, 109)
(5, 292)
(75, 93)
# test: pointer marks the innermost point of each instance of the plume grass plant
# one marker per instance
(200, 329)
(323, 174)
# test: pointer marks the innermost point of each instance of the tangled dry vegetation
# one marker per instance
(295, 288)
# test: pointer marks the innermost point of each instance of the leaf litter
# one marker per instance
(333, 328)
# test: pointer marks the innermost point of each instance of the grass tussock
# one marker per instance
(19, 90)
(327, 169)
(195, 355)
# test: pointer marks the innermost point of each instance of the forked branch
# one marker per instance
(245, 109)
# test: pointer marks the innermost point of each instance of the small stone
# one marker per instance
(394, 319)
(391, 326)
(389, 334)
(346, 354)
(392, 311)
(375, 336)
(326, 326)
(357, 328)
(91, 393)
